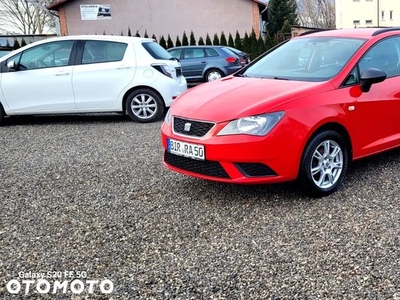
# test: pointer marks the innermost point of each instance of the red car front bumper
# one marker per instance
(241, 159)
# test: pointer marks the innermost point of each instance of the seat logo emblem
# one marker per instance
(187, 126)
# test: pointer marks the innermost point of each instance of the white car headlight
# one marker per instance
(254, 125)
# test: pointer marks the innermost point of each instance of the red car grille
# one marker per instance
(191, 128)
(209, 168)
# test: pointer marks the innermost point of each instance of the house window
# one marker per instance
(383, 15)
(368, 22)
(391, 15)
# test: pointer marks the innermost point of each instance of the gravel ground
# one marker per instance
(89, 193)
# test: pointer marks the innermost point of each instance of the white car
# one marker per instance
(86, 74)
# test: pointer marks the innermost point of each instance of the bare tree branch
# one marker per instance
(19, 16)
(317, 13)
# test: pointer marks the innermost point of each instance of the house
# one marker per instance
(160, 17)
(367, 13)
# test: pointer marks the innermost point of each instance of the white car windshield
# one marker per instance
(306, 59)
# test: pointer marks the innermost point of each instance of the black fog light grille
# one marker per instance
(255, 169)
(204, 167)
(191, 128)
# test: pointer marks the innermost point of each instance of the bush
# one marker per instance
(249, 43)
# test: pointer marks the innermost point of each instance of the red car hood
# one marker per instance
(236, 97)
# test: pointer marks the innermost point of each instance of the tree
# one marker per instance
(201, 42)
(16, 45)
(253, 44)
(222, 40)
(238, 41)
(270, 42)
(185, 41)
(260, 46)
(317, 13)
(129, 31)
(162, 42)
(192, 39)
(278, 12)
(23, 17)
(208, 40)
(216, 40)
(246, 43)
(231, 43)
(170, 43)
(145, 34)
(154, 37)
(178, 42)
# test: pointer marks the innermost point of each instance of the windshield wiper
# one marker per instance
(281, 78)
(242, 75)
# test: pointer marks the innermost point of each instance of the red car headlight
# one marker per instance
(253, 125)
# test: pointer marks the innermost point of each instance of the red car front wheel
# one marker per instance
(324, 164)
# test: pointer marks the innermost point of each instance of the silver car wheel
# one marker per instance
(327, 164)
(144, 106)
(214, 75)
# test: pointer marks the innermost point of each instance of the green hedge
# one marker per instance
(248, 43)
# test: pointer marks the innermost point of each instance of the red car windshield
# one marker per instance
(306, 59)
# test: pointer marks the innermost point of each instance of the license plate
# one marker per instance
(193, 151)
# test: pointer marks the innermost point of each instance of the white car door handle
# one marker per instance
(63, 74)
(123, 68)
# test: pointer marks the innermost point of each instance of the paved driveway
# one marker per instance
(89, 194)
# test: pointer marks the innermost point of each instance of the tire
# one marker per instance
(213, 74)
(2, 113)
(324, 164)
(144, 106)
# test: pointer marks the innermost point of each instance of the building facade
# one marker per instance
(367, 13)
(160, 17)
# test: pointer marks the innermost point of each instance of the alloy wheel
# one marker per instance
(327, 164)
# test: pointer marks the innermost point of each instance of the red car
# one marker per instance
(302, 111)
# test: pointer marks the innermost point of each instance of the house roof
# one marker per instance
(56, 4)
